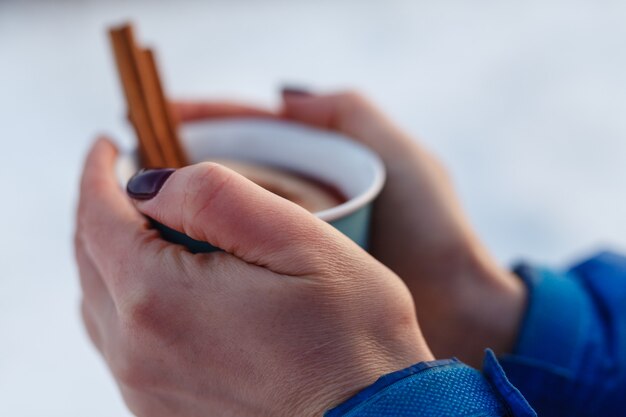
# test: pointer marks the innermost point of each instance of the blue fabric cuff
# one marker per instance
(553, 323)
(569, 357)
(438, 388)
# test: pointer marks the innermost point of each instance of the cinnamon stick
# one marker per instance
(159, 111)
(123, 49)
(159, 144)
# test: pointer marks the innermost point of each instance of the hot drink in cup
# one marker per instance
(308, 193)
(330, 175)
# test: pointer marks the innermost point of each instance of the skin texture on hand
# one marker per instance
(291, 319)
(465, 301)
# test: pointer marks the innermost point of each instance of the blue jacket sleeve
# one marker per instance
(436, 389)
(570, 357)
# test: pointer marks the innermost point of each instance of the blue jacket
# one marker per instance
(569, 359)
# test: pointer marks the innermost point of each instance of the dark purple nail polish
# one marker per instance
(146, 183)
(296, 91)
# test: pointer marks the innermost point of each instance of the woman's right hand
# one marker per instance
(465, 301)
(291, 319)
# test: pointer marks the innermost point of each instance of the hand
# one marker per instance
(465, 301)
(290, 320)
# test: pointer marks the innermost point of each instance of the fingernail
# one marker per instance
(146, 183)
(296, 91)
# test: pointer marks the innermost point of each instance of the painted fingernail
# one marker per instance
(296, 91)
(146, 183)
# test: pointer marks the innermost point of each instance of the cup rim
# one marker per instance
(353, 204)
(337, 212)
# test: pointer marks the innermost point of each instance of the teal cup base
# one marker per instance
(354, 225)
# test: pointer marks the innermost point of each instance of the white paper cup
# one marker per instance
(354, 170)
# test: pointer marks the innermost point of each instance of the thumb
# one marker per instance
(212, 203)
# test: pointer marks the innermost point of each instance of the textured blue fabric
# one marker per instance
(436, 389)
(570, 358)
(515, 401)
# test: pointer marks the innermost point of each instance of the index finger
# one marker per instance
(187, 111)
(113, 231)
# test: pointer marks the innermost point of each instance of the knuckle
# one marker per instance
(144, 403)
(141, 311)
(133, 362)
(130, 371)
(352, 95)
(151, 311)
(202, 191)
(141, 405)
(352, 98)
(351, 105)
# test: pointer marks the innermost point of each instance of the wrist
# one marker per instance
(485, 308)
(347, 378)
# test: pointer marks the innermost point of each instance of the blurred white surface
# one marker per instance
(524, 101)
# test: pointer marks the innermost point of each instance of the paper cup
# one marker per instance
(354, 170)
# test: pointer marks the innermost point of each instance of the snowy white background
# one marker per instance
(524, 101)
